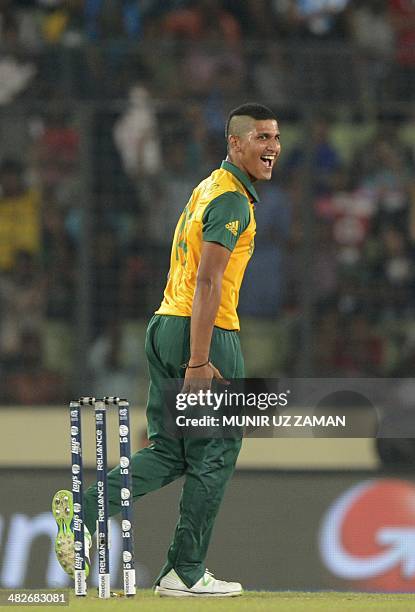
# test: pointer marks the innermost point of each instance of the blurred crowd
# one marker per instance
(199, 48)
(117, 108)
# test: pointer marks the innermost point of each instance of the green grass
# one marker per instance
(253, 601)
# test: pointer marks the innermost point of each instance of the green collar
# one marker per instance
(242, 178)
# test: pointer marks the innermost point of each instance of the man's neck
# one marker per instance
(232, 161)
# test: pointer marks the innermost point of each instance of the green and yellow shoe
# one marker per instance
(62, 510)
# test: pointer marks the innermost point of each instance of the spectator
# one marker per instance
(106, 277)
(318, 18)
(176, 185)
(325, 265)
(62, 21)
(221, 95)
(56, 149)
(360, 350)
(114, 364)
(271, 76)
(140, 276)
(312, 25)
(212, 66)
(402, 14)
(20, 215)
(256, 16)
(58, 262)
(266, 276)
(22, 306)
(15, 77)
(382, 171)
(327, 334)
(325, 159)
(372, 34)
(136, 136)
(30, 382)
(8, 23)
(198, 21)
(19, 27)
(15, 74)
(194, 118)
(112, 19)
(266, 273)
(162, 67)
(394, 272)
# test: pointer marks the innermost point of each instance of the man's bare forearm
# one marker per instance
(205, 307)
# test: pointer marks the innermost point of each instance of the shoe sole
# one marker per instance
(62, 510)
(163, 592)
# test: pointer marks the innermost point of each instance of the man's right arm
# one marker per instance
(206, 301)
(224, 220)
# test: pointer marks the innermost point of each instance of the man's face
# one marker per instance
(257, 150)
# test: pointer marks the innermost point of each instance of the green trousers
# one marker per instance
(207, 464)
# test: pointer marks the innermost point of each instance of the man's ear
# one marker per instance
(234, 143)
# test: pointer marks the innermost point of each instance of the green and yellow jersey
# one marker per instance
(220, 209)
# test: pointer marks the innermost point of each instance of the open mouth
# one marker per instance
(268, 160)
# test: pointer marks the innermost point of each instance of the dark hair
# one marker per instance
(255, 111)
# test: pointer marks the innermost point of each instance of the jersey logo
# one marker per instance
(232, 226)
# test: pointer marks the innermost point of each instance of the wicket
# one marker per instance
(103, 542)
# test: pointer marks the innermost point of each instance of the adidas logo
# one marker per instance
(232, 226)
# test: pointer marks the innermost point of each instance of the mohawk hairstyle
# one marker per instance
(255, 111)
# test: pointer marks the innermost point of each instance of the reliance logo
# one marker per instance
(19, 535)
(367, 537)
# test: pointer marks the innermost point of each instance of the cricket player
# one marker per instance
(194, 335)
